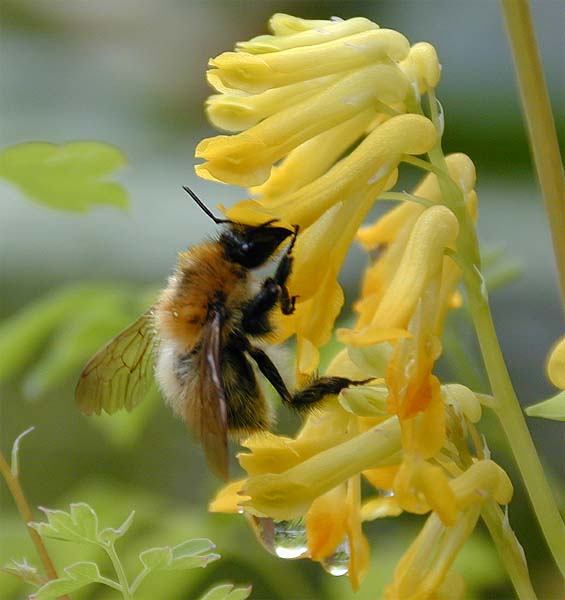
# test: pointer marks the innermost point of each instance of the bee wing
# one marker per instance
(207, 411)
(120, 374)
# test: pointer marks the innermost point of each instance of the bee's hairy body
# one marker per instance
(202, 342)
(205, 282)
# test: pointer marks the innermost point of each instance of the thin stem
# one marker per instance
(539, 120)
(509, 549)
(110, 583)
(118, 567)
(139, 579)
(17, 492)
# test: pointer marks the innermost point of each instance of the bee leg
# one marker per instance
(282, 274)
(304, 399)
(270, 371)
(318, 389)
(255, 318)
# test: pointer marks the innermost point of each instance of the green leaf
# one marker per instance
(86, 519)
(78, 575)
(15, 466)
(69, 176)
(109, 535)
(24, 571)
(227, 591)
(193, 547)
(81, 524)
(553, 408)
(156, 558)
(193, 554)
(193, 562)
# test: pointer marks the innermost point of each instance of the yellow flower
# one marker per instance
(425, 565)
(307, 96)
(556, 364)
(325, 113)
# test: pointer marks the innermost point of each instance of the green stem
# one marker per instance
(139, 579)
(13, 483)
(118, 567)
(507, 407)
(539, 119)
(509, 549)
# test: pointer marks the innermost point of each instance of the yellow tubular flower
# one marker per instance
(435, 230)
(255, 73)
(289, 494)
(326, 112)
(302, 32)
(426, 563)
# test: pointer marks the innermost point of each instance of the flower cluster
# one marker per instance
(325, 113)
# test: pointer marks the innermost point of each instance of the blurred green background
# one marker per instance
(131, 73)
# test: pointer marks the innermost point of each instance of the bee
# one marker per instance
(203, 336)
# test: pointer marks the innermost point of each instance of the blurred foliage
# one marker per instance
(68, 177)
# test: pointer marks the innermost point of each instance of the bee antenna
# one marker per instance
(204, 207)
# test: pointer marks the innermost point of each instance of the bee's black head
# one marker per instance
(247, 245)
(252, 245)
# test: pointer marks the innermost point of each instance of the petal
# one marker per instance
(386, 229)
(374, 159)
(246, 158)
(269, 454)
(380, 507)
(228, 498)
(290, 494)
(313, 158)
(482, 480)
(383, 477)
(360, 553)
(434, 230)
(422, 66)
(420, 486)
(424, 433)
(325, 523)
(256, 73)
(464, 400)
(329, 30)
(556, 364)
(237, 112)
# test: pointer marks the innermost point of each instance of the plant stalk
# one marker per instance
(540, 123)
(17, 492)
(121, 574)
(509, 550)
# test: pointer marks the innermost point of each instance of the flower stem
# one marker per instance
(509, 549)
(121, 574)
(13, 483)
(539, 120)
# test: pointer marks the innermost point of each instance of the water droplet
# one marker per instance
(337, 564)
(285, 539)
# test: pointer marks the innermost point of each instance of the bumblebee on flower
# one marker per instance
(321, 116)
